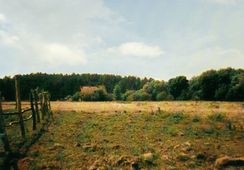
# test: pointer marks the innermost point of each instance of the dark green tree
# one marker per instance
(117, 92)
(178, 87)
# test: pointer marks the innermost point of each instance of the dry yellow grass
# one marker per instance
(203, 108)
(189, 107)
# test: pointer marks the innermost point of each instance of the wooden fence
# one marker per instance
(39, 108)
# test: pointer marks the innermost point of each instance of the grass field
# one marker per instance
(138, 135)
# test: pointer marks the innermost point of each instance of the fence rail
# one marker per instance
(16, 113)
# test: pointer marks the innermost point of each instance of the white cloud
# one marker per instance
(8, 39)
(225, 2)
(46, 33)
(58, 54)
(2, 18)
(136, 49)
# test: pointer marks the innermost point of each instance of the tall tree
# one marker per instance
(178, 87)
(117, 92)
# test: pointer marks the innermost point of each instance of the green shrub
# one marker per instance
(141, 95)
(76, 96)
(163, 96)
(128, 95)
(117, 93)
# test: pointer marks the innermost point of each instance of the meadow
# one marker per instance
(138, 135)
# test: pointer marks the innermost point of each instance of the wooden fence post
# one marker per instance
(46, 105)
(49, 103)
(33, 111)
(35, 95)
(3, 133)
(42, 105)
(18, 101)
(49, 106)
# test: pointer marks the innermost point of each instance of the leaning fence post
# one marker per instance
(33, 111)
(35, 95)
(46, 105)
(41, 104)
(3, 133)
(49, 106)
(18, 101)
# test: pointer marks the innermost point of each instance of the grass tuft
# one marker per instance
(217, 117)
(176, 117)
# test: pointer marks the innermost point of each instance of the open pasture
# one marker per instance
(138, 135)
(202, 108)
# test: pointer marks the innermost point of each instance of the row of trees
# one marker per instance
(62, 85)
(223, 85)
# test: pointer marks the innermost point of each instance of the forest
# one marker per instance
(213, 85)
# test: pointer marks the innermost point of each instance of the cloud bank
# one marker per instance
(225, 2)
(139, 49)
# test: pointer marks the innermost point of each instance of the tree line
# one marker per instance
(214, 85)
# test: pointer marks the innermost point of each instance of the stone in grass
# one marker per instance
(186, 147)
(208, 130)
(77, 144)
(183, 157)
(227, 162)
(148, 157)
(90, 147)
(57, 146)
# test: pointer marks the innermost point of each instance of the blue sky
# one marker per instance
(159, 38)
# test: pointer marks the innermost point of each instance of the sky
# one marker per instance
(161, 39)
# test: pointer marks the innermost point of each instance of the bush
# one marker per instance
(99, 94)
(128, 95)
(76, 96)
(163, 96)
(117, 92)
(139, 95)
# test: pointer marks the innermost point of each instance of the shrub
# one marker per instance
(163, 96)
(92, 94)
(128, 95)
(117, 93)
(141, 95)
(76, 96)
